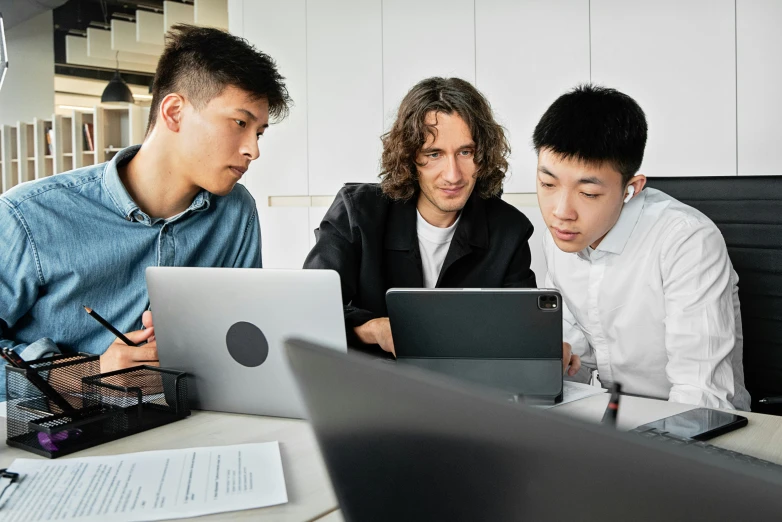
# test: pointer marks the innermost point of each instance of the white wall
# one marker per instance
(677, 59)
(28, 90)
(759, 85)
(706, 72)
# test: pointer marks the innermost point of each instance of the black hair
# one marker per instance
(200, 62)
(595, 125)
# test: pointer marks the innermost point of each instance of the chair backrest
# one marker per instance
(748, 212)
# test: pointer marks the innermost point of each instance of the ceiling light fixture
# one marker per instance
(117, 90)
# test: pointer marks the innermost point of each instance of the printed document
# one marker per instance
(153, 485)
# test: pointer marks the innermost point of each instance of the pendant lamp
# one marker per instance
(117, 90)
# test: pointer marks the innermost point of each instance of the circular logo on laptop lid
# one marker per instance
(247, 344)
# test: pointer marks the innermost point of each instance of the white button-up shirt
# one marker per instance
(655, 306)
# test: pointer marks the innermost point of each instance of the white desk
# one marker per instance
(761, 438)
(310, 495)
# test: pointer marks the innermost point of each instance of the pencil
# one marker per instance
(109, 327)
(36, 380)
(609, 418)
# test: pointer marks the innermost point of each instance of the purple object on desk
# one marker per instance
(49, 442)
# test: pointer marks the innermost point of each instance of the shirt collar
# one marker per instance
(119, 194)
(472, 227)
(617, 238)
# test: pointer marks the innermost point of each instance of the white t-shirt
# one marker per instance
(433, 243)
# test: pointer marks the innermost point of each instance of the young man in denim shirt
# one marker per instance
(85, 237)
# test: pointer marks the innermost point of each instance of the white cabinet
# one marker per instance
(424, 39)
(279, 29)
(759, 68)
(677, 60)
(316, 216)
(344, 92)
(285, 233)
(527, 54)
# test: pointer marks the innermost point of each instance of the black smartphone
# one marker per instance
(698, 424)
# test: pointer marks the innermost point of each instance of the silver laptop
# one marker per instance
(226, 328)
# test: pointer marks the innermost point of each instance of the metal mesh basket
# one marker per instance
(94, 408)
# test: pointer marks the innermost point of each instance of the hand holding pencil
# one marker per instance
(129, 349)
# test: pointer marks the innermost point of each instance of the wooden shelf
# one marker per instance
(63, 138)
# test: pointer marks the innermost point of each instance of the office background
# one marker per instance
(707, 73)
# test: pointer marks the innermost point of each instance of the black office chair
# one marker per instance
(748, 211)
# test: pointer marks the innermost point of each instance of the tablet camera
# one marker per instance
(548, 302)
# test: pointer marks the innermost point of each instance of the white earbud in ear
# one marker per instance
(630, 192)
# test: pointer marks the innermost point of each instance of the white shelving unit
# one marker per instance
(10, 157)
(118, 127)
(44, 148)
(47, 147)
(25, 152)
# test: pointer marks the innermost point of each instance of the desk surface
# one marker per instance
(309, 489)
(761, 438)
(310, 495)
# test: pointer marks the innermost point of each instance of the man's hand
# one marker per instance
(377, 331)
(119, 355)
(570, 359)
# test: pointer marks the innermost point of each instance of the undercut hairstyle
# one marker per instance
(200, 62)
(595, 125)
(403, 143)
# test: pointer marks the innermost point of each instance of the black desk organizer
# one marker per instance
(106, 406)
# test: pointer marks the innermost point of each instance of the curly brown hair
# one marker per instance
(401, 145)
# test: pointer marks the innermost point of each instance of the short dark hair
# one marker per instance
(401, 145)
(596, 125)
(200, 62)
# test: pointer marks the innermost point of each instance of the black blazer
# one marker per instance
(371, 240)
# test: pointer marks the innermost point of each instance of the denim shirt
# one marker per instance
(79, 239)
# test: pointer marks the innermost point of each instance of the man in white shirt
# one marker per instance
(650, 295)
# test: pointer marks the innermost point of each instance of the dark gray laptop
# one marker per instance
(509, 339)
(403, 444)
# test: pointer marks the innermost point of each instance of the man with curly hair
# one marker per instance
(435, 220)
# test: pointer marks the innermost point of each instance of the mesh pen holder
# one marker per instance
(100, 407)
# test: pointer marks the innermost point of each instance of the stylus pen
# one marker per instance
(36, 380)
(771, 400)
(107, 325)
(609, 417)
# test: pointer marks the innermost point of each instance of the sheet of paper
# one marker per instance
(574, 391)
(153, 485)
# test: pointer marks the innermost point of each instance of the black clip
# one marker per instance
(4, 473)
(11, 477)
